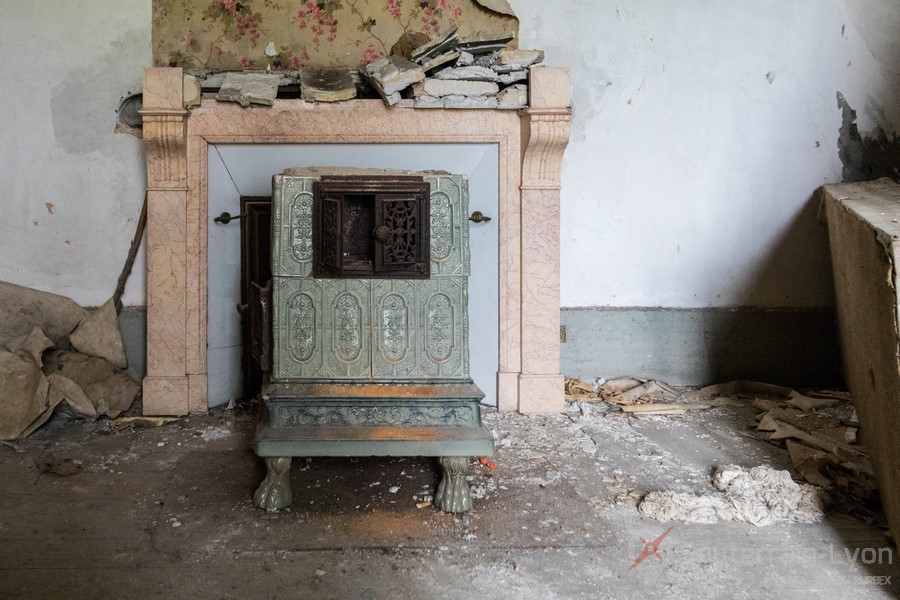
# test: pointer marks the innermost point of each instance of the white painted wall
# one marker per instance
(689, 176)
(65, 67)
(688, 181)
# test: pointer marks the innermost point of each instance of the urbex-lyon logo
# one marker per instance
(651, 548)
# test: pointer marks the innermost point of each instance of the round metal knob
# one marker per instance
(478, 217)
(383, 234)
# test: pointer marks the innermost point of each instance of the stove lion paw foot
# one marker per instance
(274, 492)
(453, 492)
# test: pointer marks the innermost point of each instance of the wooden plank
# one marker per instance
(863, 228)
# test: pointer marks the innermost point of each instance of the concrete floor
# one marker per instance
(167, 513)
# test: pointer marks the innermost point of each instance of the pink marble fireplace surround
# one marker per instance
(530, 143)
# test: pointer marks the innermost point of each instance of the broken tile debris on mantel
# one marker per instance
(447, 72)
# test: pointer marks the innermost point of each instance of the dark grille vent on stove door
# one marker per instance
(371, 227)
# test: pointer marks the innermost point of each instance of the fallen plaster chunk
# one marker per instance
(392, 74)
(513, 97)
(486, 60)
(515, 60)
(508, 78)
(249, 88)
(759, 496)
(473, 73)
(459, 101)
(426, 101)
(99, 335)
(440, 61)
(465, 59)
(326, 85)
(448, 87)
(22, 309)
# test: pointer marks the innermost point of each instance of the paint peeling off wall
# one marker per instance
(866, 156)
(234, 34)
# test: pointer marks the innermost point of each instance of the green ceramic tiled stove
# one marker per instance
(370, 350)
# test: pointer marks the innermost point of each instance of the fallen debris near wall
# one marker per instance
(821, 436)
(759, 496)
(632, 396)
(817, 429)
(40, 373)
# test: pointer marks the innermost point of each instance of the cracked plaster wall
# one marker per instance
(72, 189)
(700, 132)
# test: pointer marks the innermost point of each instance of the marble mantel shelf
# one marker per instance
(530, 144)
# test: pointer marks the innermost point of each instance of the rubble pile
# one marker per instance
(450, 72)
(818, 430)
(55, 356)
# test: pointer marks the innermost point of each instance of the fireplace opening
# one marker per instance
(239, 171)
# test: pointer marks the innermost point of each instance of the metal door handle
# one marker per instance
(478, 217)
(225, 218)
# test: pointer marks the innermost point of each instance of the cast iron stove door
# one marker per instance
(368, 227)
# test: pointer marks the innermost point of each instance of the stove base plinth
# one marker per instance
(372, 419)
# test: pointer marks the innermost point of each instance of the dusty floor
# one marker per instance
(167, 513)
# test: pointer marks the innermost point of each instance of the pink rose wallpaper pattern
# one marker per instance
(234, 34)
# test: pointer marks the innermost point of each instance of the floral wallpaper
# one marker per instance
(232, 34)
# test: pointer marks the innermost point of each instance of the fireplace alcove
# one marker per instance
(237, 170)
(530, 148)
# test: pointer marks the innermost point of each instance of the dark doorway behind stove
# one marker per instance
(256, 267)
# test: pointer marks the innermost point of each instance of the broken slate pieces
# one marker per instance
(466, 74)
(434, 48)
(392, 74)
(516, 60)
(515, 97)
(472, 73)
(326, 85)
(485, 45)
(249, 88)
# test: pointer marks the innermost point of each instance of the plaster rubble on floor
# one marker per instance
(556, 518)
(759, 496)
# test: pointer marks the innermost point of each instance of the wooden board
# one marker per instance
(864, 229)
